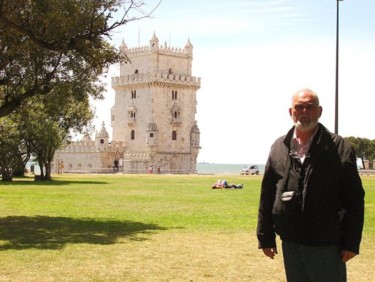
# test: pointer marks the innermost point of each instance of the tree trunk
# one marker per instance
(7, 174)
(41, 165)
(21, 165)
(45, 171)
(47, 175)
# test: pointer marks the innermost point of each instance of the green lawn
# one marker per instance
(143, 228)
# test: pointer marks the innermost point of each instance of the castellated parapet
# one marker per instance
(164, 50)
(153, 118)
(155, 78)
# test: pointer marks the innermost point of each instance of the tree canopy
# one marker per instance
(47, 43)
(364, 148)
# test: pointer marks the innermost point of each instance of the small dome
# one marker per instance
(154, 38)
(123, 46)
(195, 129)
(102, 133)
(188, 44)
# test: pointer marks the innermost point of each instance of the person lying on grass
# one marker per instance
(224, 184)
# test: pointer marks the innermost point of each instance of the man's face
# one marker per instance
(305, 111)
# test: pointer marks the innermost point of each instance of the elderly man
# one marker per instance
(312, 197)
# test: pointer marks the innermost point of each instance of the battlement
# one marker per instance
(156, 77)
(91, 146)
(163, 49)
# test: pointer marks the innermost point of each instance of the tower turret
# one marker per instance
(123, 47)
(102, 138)
(154, 43)
(189, 48)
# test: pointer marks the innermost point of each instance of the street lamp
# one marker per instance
(337, 71)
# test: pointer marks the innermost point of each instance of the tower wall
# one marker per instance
(155, 107)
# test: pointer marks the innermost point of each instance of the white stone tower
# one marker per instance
(155, 107)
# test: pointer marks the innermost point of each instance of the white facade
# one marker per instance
(153, 118)
(155, 107)
(89, 156)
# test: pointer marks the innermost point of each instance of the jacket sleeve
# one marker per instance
(352, 200)
(265, 229)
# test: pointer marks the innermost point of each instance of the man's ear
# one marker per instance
(320, 111)
(290, 112)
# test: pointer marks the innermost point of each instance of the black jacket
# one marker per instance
(328, 205)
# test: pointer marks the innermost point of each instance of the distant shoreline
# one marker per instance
(233, 169)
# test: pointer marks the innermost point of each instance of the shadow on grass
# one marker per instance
(43, 232)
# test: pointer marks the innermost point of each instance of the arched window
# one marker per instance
(136, 72)
(174, 135)
(132, 135)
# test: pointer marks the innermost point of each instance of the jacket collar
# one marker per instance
(317, 139)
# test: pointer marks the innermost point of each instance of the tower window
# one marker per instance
(174, 95)
(174, 135)
(136, 72)
(151, 134)
(101, 141)
(134, 94)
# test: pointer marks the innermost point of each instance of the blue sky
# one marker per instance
(252, 55)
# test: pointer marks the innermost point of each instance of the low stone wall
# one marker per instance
(86, 171)
(366, 171)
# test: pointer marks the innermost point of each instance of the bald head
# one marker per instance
(305, 92)
(305, 110)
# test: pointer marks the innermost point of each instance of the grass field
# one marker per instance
(144, 228)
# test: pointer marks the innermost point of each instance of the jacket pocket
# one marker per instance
(286, 211)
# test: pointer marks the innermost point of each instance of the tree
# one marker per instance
(45, 140)
(46, 127)
(10, 143)
(364, 148)
(47, 43)
(40, 127)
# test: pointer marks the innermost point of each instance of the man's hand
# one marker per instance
(270, 252)
(347, 255)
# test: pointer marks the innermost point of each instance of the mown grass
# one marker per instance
(143, 228)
